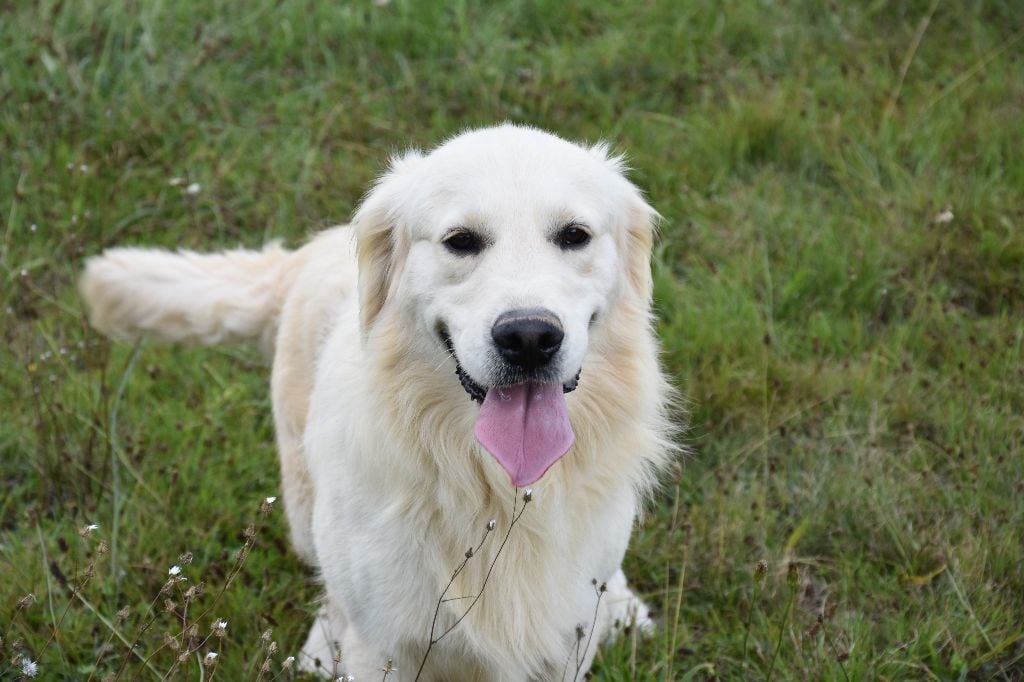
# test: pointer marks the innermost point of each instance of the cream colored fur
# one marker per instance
(384, 483)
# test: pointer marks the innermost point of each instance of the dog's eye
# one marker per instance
(572, 237)
(463, 242)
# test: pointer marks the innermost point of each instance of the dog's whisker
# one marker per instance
(440, 365)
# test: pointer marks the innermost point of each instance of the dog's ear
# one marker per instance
(376, 230)
(641, 227)
(640, 220)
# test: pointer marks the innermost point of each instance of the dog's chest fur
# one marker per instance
(395, 515)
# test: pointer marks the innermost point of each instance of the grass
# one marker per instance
(840, 288)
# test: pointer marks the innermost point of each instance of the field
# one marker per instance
(839, 286)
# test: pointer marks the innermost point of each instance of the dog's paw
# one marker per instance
(625, 610)
(322, 646)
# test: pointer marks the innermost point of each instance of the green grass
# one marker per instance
(853, 363)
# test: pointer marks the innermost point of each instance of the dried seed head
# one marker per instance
(220, 628)
(792, 575)
(26, 601)
(122, 614)
(267, 634)
(185, 559)
(761, 570)
(580, 632)
(469, 553)
(29, 668)
(210, 658)
(170, 606)
(287, 663)
(86, 531)
(102, 548)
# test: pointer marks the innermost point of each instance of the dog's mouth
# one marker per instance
(478, 393)
(524, 425)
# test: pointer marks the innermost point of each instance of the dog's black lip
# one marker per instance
(476, 392)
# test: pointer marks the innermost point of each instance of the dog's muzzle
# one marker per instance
(477, 392)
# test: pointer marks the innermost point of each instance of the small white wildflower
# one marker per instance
(174, 571)
(491, 524)
(176, 182)
(946, 216)
(210, 657)
(194, 188)
(288, 663)
(220, 628)
(86, 531)
(527, 494)
(29, 668)
(70, 166)
(33, 227)
(271, 500)
(24, 272)
(84, 168)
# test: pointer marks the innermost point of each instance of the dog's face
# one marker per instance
(506, 248)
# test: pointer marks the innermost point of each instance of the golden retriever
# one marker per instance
(483, 325)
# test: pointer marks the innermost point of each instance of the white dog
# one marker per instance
(509, 265)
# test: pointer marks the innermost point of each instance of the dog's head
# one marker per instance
(505, 249)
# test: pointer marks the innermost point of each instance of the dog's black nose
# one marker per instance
(528, 338)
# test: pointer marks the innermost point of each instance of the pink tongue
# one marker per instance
(526, 427)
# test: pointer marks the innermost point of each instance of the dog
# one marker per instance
(468, 402)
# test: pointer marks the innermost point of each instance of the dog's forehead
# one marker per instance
(498, 170)
(507, 139)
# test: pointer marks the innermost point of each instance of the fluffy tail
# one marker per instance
(186, 296)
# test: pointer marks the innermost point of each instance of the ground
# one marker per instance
(839, 288)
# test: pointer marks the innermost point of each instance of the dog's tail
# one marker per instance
(186, 296)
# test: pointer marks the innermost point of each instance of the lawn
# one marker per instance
(839, 287)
